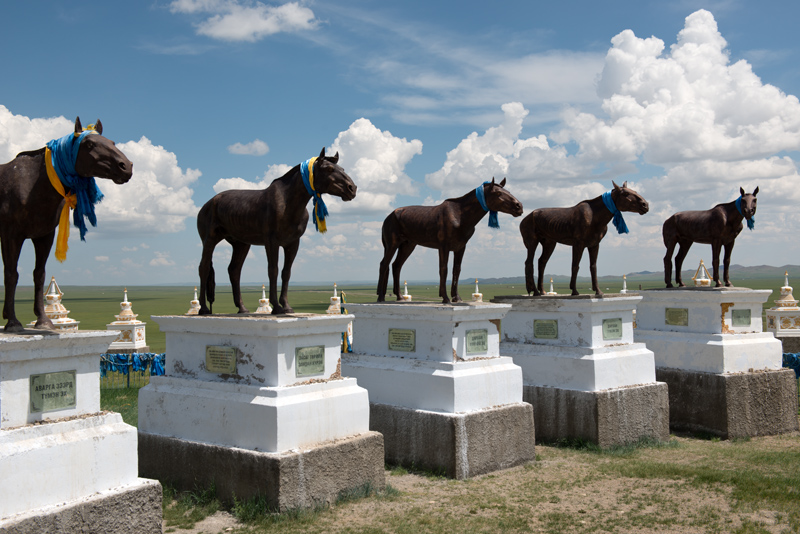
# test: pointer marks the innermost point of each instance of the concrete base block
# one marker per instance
(608, 417)
(461, 444)
(132, 508)
(790, 343)
(293, 479)
(732, 405)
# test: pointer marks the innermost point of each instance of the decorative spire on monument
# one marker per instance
(131, 336)
(477, 296)
(701, 277)
(56, 311)
(624, 284)
(406, 296)
(335, 307)
(263, 302)
(194, 305)
(552, 291)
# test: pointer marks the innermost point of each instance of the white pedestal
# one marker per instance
(267, 384)
(579, 359)
(74, 458)
(709, 342)
(425, 364)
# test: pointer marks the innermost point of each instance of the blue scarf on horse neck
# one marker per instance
(65, 152)
(619, 222)
(482, 201)
(751, 222)
(320, 211)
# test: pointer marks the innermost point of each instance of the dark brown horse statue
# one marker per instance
(30, 204)
(273, 217)
(446, 227)
(581, 226)
(717, 227)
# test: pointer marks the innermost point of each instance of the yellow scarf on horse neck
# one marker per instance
(70, 201)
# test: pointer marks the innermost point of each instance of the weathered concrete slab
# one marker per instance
(607, 417)
(292, 479)
(462, 445)
(732, 405)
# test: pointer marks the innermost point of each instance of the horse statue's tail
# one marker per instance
(210, 287)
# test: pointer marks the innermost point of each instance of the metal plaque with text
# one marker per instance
(52, 391)
(402, 340)
(545, 328)
(612, 328)
(676, 316)
(740, 317)
(220, 359)
(309, 361)
(477, 341)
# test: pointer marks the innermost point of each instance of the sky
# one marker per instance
(686, 101)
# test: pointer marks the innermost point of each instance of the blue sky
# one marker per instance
(687, 101)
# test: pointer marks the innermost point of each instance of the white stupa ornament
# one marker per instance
(552, 291)
(406, 296)
(130, 331)
(56, 311)
(194, 305)
(263, 302)
(701, 277)
(783, 319)
(624, 283)
(335, 306)
(477, 296)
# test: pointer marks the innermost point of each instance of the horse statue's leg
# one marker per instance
(668, 232)
(289, 254)
(530, 283)
(41, 247)
(547, 250)
(443, 256)
(716, 248)
(403, 253)
(240, 251)
(458, 255)
(727, 263)
(11, 248)
(206, 271)
(390, 245)
(577, 254)
(593, 269)
(683, 249)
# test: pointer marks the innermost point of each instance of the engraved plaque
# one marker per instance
(402, 340)
(52, 391)
(740, 317)
(676, 316)
(545, 328)
(221, 360)
(309, 361)
(477, 341)
(612, 328)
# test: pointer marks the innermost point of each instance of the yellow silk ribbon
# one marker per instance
(70, 201)
(322, 227)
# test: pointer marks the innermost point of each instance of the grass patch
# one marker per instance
(644, 442)
(182, 509)
(123, 401)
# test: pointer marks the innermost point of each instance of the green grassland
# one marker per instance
(95, 306)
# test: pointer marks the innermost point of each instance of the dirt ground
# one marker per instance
(567, 490)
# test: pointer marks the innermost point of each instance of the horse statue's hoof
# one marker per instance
(13, 327)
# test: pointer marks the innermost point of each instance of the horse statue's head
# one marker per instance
(100, 158)
(629, 200)
(748, 203)
(331, 179)
(499, 199)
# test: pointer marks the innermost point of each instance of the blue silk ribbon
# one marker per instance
(493, 223)
(751, 222)
(320, 211)
(619, 222)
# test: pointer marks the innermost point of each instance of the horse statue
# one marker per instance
(581, 226)
(37, 190)
(273, 217)
(446, 227)
(717, 227)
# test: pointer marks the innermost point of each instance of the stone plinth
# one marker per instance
(260, 387)
(710, 349)
(435, 371)
(76, 466)
(582, 370)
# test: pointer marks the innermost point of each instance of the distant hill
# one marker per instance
(738, 272)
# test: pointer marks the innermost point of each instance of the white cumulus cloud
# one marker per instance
(257, 147)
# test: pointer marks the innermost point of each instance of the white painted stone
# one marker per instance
(266, 345)
(24, 355)
(579, 358)
(55, 463)
(266, 419)
(709, 342)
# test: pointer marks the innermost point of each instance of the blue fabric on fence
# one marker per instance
(124, 363)
(792, 361)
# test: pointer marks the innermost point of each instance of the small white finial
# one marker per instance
(476, 286)
(786, 275)
(334, 289)
(405, 287)
(263, 291)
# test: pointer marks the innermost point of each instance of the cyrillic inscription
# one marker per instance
(740, 317)
(402, 340)
(612, 328)
(545, 328)
(221, 360)
(477, 341)
(309, 361)
(52, 391)
(676, 316)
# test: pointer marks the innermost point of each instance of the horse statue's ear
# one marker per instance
(756, 191)
(625, 184)
(322, 153)
(614, 184)
(98, 127)
(492, 179)
(335, 158)
(741, 191)
(78, 127)
(503, 183)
